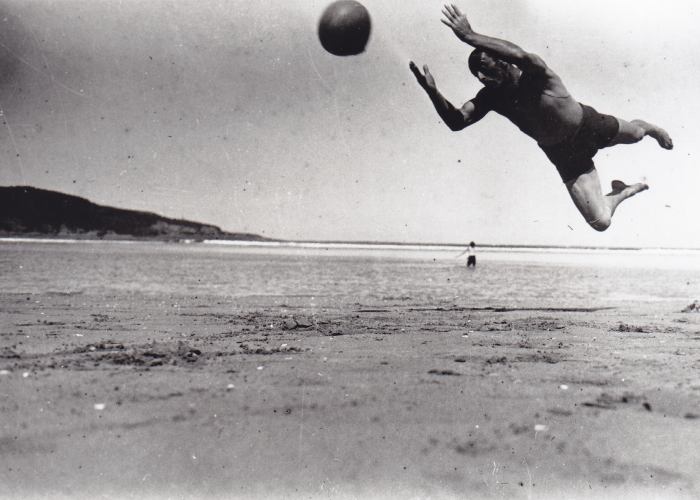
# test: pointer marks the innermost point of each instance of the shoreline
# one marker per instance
(351, 244)
(642, 259)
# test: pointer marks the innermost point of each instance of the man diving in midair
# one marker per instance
(521, 87)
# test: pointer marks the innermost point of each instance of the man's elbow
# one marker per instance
(456, 126)
(457, 122)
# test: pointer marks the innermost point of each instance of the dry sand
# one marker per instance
(272, 397)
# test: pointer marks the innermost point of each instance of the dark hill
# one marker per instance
(28, 211)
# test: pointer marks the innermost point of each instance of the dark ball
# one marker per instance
(344, 28)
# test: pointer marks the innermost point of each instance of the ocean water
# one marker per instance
(347, 275)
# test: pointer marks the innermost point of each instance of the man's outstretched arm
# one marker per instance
(502, 49)
(456, 119)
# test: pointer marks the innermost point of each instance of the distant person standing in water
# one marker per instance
(471, 251)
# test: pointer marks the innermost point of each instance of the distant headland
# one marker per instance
(31, 212)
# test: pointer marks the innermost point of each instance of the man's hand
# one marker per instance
(425, 79)
(457, 22)
(456, 119)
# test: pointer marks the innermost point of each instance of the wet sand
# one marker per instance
(269, 396)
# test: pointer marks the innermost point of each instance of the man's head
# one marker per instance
(490, 71)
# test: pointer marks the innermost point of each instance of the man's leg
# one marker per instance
(595, 207)
(636, 130)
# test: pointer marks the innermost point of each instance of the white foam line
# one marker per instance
(335, 246)
(417, 247)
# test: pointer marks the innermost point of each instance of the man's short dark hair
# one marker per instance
(474, 61)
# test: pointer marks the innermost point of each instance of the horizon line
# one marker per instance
(268, 240)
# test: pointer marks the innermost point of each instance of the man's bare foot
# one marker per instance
(661, 137)
(657, 133)
(619, 187)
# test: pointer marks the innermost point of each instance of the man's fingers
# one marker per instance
(456, 10)
(416, 72)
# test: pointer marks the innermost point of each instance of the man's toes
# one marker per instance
(638, 188)
(665, 140)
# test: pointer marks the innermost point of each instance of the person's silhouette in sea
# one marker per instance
(471, 257)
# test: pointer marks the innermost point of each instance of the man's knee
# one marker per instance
(601, 223)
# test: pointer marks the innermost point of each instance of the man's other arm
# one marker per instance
(502, 49)
(455, 118)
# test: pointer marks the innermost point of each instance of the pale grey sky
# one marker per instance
(230, 113)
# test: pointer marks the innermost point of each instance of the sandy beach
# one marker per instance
(122, 394)
(194, 399)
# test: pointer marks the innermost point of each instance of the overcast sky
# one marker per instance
(229, 112)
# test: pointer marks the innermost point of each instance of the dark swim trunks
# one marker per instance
(574, 156)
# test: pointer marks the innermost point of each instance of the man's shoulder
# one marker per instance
(548, 79)
(489, 95)
(548, 83)
(484, 93)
